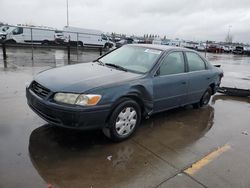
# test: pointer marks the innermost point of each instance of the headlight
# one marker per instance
(83, 100)
(68, 98)
(88, 100)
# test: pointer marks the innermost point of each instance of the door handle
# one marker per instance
(183, 82)
(208, 78)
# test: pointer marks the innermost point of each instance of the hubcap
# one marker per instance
(206, 98)
(126, 121)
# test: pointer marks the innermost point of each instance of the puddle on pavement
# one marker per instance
(64, 156)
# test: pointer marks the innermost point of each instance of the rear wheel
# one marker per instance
(110, 45)
(106, 46)
(123, 121)
(80, 43)
(204, 99)
(45, 42)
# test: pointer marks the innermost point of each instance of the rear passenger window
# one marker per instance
(195, 63)
(172, 64)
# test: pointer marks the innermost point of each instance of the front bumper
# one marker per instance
(68, 116)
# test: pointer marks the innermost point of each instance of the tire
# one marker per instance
(11, 41)
(45, 43)
(123, 121)
(80, 43)
(204, 99)
(106, 46)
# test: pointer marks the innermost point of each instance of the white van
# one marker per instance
(23, 35)
(86, 37)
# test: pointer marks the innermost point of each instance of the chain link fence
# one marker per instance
(29, 44)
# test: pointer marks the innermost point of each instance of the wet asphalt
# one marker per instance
(35, 154)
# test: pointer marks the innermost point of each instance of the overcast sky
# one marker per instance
(187, 19)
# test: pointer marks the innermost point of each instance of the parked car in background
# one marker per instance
(238, 50)
(157, 41)
(123, 42)
(190, 44)
(120, 43)
(201, 48)
(214, 48)
(114, 92)
(247, 50)
(165, 41)
(226, 49)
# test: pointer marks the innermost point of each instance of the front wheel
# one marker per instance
(107, 46)
(123, 121)
(10, 41)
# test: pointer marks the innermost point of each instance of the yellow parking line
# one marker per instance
(207, 159)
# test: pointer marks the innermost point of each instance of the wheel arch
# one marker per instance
(213, 88)
(45, 42)
(130, 96)
(10, 41)
(80, 43)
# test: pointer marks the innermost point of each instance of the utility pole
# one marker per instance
(228, 34)
(67, 12)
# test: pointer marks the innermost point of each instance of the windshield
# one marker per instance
(132, 58)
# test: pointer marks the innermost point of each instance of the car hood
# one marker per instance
(82, 77)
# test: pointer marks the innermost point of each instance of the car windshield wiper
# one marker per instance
(100, 62)
(116, 66)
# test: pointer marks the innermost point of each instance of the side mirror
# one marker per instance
(157, 73)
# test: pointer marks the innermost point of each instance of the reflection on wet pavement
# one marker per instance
(21, 57)
(64, 157)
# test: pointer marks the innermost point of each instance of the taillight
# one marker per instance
(221, 75)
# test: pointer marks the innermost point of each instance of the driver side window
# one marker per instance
(172, 64)
(17, 31)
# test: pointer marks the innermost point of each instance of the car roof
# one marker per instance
(160, 47)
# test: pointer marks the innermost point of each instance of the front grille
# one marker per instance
(39, 90)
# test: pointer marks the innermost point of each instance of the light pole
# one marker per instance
(67, 12)
(228, 34)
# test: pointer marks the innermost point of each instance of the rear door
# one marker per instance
(198, 77)
(170, 82)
